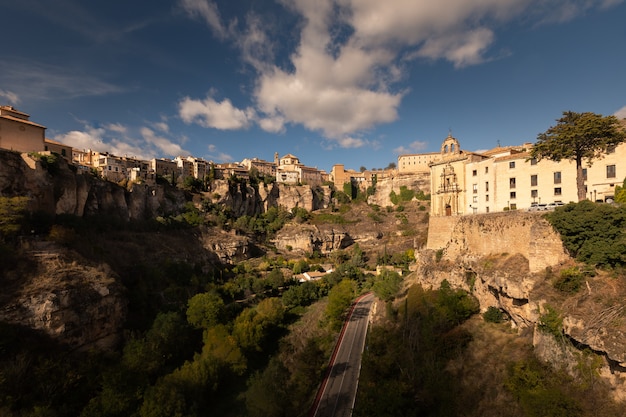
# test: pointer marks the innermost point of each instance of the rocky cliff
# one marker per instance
(69, 299)
(59, 190)
(510, 261)
(245, 199)
(384, 187)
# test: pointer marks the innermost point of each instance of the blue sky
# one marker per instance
(355, 82)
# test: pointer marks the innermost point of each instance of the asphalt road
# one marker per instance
(338, 390)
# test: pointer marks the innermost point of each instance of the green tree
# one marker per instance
(592, 233)
(577, 137)
(205, 310)
(387, 285)
(339, 299)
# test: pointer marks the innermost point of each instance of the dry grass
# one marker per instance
(482, 368)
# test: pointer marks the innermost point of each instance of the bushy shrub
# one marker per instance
(592, 233)
(493, 315)
(570, 280)
(551, 322)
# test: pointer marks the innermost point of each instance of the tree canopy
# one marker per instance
(577, 137)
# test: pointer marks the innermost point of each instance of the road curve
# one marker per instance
(337, 392)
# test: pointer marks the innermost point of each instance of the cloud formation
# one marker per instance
(119, 140)
(218, 115)
(413, 147)
(344, 75)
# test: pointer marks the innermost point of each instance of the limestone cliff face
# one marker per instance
(384, 187)
(67, 192)
(325, 238)
(243, 199)
(528, 234)
(80, 305)
(503, 260)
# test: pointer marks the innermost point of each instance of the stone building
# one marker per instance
(416, 163)
(57, 147)
(448, 180)
(18, 133)
(289, 170)
(507, 178)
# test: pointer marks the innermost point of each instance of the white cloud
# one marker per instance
(347, 142)
(207, 10)
(342, 78)
(162, 126)
(621, 113)
(117, 127)
(413, 147)
(10, 96)
(118, 140)
(165, 145)
(218, 115)
(272, 124)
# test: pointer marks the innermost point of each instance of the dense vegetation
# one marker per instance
(593, 233)
(200, 339)
(403, 369)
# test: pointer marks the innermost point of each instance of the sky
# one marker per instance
(353, 82)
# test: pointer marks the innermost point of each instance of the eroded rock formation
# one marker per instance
(506, 261)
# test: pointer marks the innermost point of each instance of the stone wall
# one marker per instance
(527, 234)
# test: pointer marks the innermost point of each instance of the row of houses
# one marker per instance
(507, 178)
(461, 182)
(20, 134)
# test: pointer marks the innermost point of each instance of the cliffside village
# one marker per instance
(461, 182)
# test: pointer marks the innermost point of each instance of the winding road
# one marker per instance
(337, 392)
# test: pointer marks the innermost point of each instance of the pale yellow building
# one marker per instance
(18, 133)
(507, 178)
(57, 147)
(448, 179)
(416, 163)
(290, 171)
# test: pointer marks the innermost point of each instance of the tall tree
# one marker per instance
(577, 137)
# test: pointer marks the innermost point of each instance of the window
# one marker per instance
(557, 191)
(611, 149)
(474, 173)
(513, 206)
(475, 188)
(486, 209)
(534, 194)
(63, 152)
(487, 186)
(512, 164)
(487, 197)
(610, 171)
(512, 195)
(584, 174)
(557, 177)
(533, 161)
(533, 180)
(511, 182)
(475, 199)
(486, 170)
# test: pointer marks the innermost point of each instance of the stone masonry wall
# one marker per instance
(527, 234)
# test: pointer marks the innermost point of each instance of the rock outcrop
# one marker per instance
(78, 304)
(505, 260)
(244, 199)
(384, 187)
(59, 190)
(324, 239)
